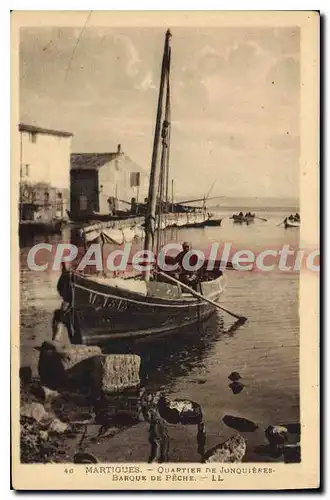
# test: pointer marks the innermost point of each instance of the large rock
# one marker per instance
(232, 450)
(57, 426)
(116, 388)
(47, 394)
(276, 435)
(79, 367)
(62, 365)
(35, 411)
(115, 373)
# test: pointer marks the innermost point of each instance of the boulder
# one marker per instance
(232, 450)
(239, 423)
(111, 381)
(42, 393)
(48, 394)
(183, 411)
(276, 435)
(57, 426)
(115, 373)
(116, 388)
(43, 435)
(35, 411)
(62, 365)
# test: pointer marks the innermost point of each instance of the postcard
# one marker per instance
(165, 250)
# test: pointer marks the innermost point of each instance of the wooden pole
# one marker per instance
(21, 176)
(172, 195)
(155, 167)
(202, 297)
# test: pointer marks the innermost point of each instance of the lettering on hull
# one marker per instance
(106, 302)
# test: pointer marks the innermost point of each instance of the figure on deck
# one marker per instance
(179, 258)
(186, 276)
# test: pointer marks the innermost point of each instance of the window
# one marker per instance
(46, 195)
(33, 137)
(27, 170)
(59, 204)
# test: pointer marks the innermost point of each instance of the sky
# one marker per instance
(235, 100)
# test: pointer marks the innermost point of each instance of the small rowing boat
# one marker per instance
(288, 223)
(292, 221)
(240, 218)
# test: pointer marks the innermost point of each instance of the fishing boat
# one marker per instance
(240, 218)
(53, 226)
(97, 309)
(292, 221)
(98, 217)
(289, 223)
(212, 222)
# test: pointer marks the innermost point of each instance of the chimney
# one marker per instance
(119, 149)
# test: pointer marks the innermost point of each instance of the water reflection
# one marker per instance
(168, 357)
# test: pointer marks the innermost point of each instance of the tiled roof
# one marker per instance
(22, 127)
(91, 161)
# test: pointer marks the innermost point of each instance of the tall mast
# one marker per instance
(164, 166)
(172, 197)
(155, 167)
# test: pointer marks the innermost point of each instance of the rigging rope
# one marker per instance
(77, 43)
(162, 205)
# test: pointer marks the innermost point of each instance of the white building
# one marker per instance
(97, 179)
(44, 171)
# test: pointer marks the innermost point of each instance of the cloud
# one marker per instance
(147, 83)
(228, 116)
(132, 57)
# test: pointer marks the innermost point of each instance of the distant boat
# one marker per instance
(292, 221)
(212, 222)
(41, 227)
(239, 218)
(288, 223)
(95, 217)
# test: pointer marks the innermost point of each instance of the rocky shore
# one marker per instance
(89, 407)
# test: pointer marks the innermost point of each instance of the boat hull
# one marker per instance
(103, 313)
(289, 224)
(41, 227)
(95, 217)
(212, 222)
(240, 219)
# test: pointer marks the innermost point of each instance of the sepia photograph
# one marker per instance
(165, 221)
